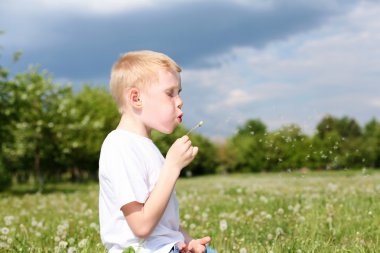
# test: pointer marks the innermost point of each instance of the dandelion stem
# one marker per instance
(195, 127)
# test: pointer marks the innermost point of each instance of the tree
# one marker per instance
(371, 144)
(346, 127)
(86, 119)
(247, 148)
(33, 99)
(287, 149)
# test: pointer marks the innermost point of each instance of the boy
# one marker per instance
(137, 201)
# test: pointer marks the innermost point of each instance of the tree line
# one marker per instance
(50, 133)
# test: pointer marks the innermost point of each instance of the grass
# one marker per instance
(284, 212)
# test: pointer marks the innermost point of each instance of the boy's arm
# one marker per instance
(142, 218)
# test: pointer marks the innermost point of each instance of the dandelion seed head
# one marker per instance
(83, 243)
(94, 226)
(63, 244)
(243, 250)
(72, 250)
(4, 230)
(296, 208)
(263, 199)
(4, 245)
(279, 231)
(8, 220)
(223, 225)
(301, 219)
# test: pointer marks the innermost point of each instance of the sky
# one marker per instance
(280, 61)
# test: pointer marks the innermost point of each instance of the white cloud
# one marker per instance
(375, 102)
(75, 6)
(233, 99)
(334, 69)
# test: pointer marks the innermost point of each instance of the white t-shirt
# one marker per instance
(129, 167)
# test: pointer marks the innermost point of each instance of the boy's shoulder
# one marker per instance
(125, 138)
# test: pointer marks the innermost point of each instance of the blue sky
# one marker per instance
(280, 61)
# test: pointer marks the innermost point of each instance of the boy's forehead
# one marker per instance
(171, 79)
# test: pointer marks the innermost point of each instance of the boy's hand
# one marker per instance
(180, 154)
(198, 245)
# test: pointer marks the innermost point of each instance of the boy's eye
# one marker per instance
(170, 94)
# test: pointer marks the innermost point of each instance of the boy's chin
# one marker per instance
(166, 130)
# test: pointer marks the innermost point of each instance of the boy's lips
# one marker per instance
(180, 118)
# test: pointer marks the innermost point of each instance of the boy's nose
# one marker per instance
(180, 102)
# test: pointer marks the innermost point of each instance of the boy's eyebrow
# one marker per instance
(179, 88)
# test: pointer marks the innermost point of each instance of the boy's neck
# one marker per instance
(133, 125)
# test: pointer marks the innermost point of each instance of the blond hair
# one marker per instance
(138, 69)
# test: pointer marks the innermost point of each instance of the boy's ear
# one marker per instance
(134, 98)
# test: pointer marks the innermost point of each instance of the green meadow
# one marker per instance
(281, 212)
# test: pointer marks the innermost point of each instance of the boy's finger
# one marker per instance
(185, 138)
(181, 246)
(195, 151)
(204, 240)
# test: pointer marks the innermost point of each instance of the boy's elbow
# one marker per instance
(142, 232)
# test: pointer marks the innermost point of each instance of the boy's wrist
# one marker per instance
(171, 171)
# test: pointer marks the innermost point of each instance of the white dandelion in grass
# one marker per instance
(4, 230)
(263, 199)
(83, 243)
(63, 244)
(243, 250)
(4, 245)
(223, 225)
(71, 240)
(72, 250)
(279, 231)
(8, 220)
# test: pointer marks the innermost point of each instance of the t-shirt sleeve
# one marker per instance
(123, 173)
